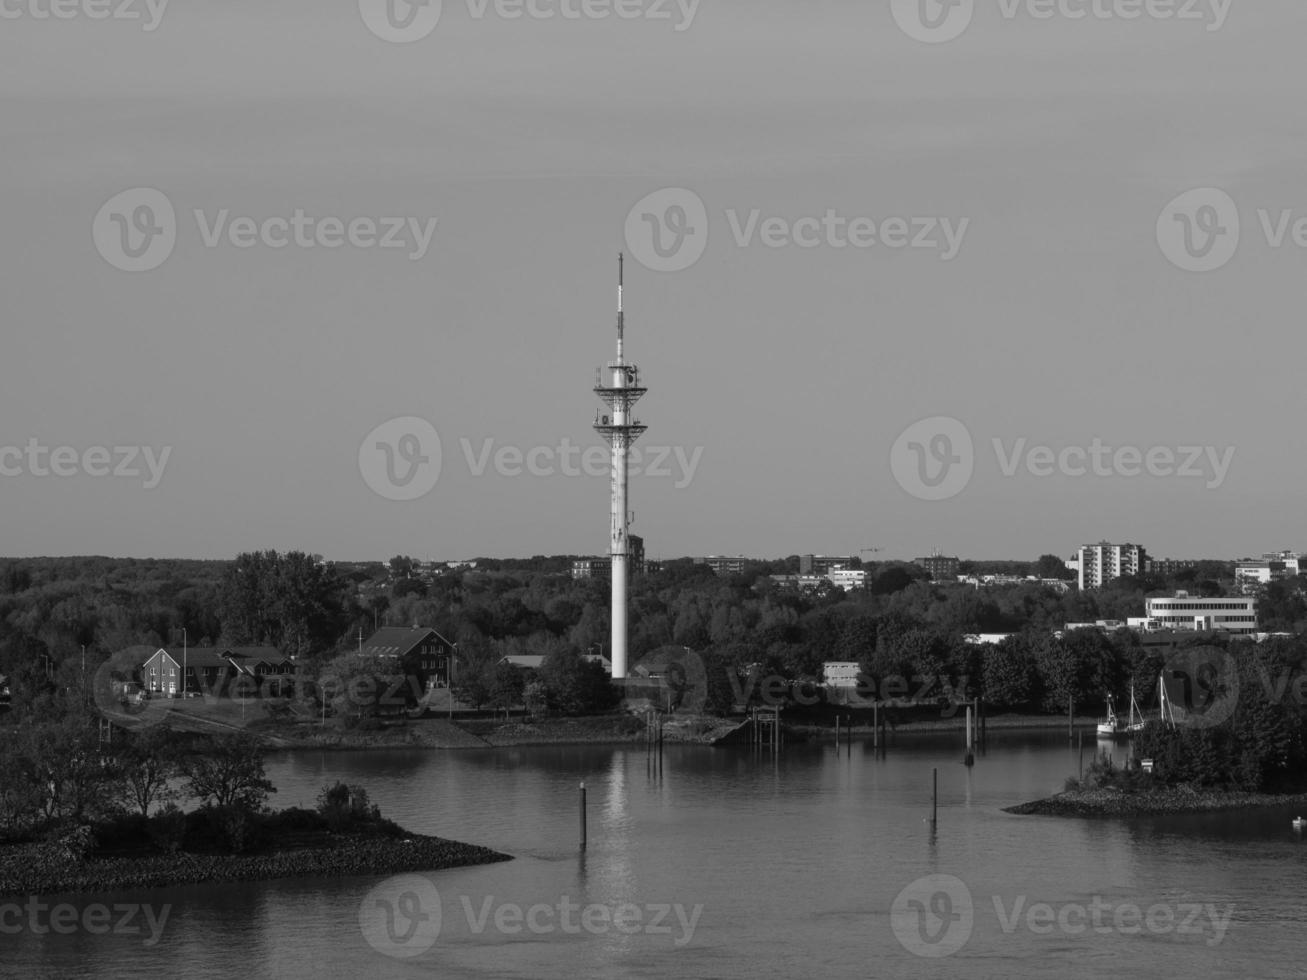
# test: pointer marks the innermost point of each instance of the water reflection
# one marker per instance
(795, 858)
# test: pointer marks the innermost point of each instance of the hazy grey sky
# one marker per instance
(1055, 143)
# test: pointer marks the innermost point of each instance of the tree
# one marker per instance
(1051, 566)
(357, 685)
(577, 686)
(1009, 674)
(227, 771)
(148, 764)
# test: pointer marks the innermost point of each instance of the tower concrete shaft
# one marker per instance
(618, 387)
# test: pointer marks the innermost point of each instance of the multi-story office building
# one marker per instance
(942, 568)
(1271, 567)
(723, 566)
(1103, 562)
(1234, 614)
(822, 564)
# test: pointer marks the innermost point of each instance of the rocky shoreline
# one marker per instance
(34, 869)
(1173, 800)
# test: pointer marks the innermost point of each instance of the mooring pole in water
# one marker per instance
(1082, 755)
(970, 758)
(875, 725)
(583, 814)
(837, 734)
(1071, 717)
(934, 799)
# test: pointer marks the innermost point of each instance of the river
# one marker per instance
(734, 864)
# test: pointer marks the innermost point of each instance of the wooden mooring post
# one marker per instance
(583, 835)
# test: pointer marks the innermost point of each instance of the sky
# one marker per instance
(900, 276)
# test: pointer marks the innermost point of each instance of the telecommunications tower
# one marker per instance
(618, 387)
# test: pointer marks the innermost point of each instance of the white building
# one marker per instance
(840, 673)
(1271, 567)
(1234, 614)
(1103, 562)
(847, 578)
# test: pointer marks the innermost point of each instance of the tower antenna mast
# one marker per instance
(618, 386)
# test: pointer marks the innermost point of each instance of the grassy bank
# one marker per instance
(30, 869)
(1177, 799)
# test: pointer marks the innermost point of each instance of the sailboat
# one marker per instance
(1113, 727)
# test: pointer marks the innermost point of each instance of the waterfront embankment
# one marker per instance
(1153, 802)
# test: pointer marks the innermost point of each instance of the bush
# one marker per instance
(74, 844)
(167, 828)
(346, 807)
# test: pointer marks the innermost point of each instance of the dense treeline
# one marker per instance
(900, 625)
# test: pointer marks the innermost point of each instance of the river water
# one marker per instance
(730, 863)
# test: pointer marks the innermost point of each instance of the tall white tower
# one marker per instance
(618, 386)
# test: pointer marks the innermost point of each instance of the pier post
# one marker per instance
(583, 814)
(970, 758)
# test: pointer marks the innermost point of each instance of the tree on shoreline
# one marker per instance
(228, 772)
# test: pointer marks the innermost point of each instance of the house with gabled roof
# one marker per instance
(421, 653)
(210, 670)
